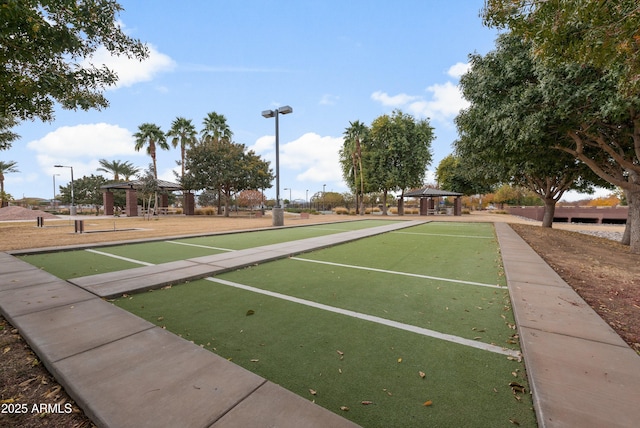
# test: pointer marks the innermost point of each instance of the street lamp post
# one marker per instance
(278, 212)
(289, 189)
(72, 209)
(54, 191)
(324, 186)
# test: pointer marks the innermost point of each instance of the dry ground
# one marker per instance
(603, 272)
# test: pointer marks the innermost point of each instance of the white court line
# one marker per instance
(442, 234)
(199, 246)
(415, 275)
(378, 320)
(127, 259)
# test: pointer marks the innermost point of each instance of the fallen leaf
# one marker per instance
(422, 374)
(312, 391)
(7, 349)
(344, 408)
(160, 318)
(399, 360)
(250, 312)
(513, 421)
(366, 402)
(255, 360)
(428, 403)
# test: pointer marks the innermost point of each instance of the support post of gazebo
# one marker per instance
(107, 202)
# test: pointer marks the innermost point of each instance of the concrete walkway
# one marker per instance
(582, 374)
(125, 372)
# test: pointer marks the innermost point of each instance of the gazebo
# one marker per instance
(428, 196)
(131, 188)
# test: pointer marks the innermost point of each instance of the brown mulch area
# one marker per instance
(603, 272)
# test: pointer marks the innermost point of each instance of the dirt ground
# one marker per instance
(603, 272)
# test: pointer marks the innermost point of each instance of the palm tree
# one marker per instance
(354, 134)
(5, 167)
(118, 168)
(183, 133)
(216, 129)
(150, 135)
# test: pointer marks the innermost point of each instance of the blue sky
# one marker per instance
(332, 61)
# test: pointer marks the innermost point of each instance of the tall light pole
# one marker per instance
(306, 199)
(289, 189)
(72, 210)
(54, 191)
(324, 186)
(278, 213)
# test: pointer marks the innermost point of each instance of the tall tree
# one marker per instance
(400, 150)
(117, 168)
(150, 135)
(6, 136)
(507, 132)
(226, 168)
(5, 167)
(183, 133)
(86, 191)
(43, 44)
(215, 129)
(351, 160)
(604, 34)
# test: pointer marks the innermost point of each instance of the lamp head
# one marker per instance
(285, 110)
(268, 113)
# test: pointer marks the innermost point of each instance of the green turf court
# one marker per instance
(120, 257)
(392, 321)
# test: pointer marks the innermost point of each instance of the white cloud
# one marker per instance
(392, 101)
(81, 146)
(445, 103)
(329, 100)
(314, 157)
(129, 70)
(458, 69)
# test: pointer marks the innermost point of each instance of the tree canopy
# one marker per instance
(604, 34)
(390, 155)
(43, 48)
(508, 132)
(226, 167)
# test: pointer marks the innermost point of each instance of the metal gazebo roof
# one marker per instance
(137, 184)
(427, 192)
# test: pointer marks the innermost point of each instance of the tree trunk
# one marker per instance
(634, 219)
(549, 211)
(227, 196)
(626, 236)
(384, 202)
(401, 205)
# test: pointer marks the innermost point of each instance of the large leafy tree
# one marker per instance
(226, 168)
(86, 191)
(183, 134)
(508, 130)
(604, 34)
(352, 162)
(453, 175)
(43, 45)
(6, 135)
(399, 152)
(6, 167)
(150, 135)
